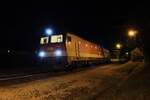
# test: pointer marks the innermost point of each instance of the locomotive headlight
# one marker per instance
(58, 53)
(42, 54)
(48, 31)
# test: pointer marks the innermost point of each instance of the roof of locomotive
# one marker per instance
(73, 34)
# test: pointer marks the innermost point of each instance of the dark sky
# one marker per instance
(22, 23)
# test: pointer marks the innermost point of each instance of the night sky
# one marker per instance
(105, 23)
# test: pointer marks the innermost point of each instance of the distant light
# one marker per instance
(118, 46)
(132, 33)
(58, 53)
(41, 54)
(48, 31)
(127, 53)
(8, 51)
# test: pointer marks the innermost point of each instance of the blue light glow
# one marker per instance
(48, 31)
(42, 54)
(58, 53)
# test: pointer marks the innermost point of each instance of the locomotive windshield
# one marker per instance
(51, 39)
(44, 40)
(56, 38)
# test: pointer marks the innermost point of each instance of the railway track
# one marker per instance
(15, 78)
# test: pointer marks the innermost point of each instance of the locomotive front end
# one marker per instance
(52, 50)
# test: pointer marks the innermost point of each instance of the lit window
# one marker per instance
(56, 38)
(44, 40)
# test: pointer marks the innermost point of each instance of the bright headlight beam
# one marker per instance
(41, 54)
(48, 31)
(58, 53)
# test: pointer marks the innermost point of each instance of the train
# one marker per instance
(67, 50)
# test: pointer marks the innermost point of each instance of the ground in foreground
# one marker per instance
(83, 85)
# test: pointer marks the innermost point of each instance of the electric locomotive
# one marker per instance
(66, 50)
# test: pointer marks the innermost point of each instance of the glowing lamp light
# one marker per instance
(118, 46)
(8, 51)
(58, 53)
(48, 31)
(132, 33)
(42, 54)
(127, 53)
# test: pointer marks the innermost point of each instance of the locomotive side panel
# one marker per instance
(78, 49)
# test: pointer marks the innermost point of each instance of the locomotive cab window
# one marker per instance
(44, 40)
(56, 38)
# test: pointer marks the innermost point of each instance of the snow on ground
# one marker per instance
(83, 85)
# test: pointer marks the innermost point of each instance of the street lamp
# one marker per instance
(132, 33)
(132, 40)
(127, 53)
(118, 51)
(118, 46)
